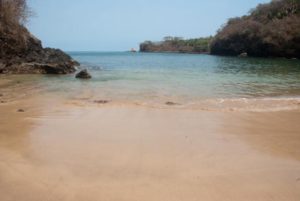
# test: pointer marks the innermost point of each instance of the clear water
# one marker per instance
(190, 75)
(184, 78)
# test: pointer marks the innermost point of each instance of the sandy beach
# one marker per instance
(61, 151)
(150, 100)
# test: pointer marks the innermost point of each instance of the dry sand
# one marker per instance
(55, 151)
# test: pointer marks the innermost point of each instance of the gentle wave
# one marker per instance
(224, 105)
(85, 97)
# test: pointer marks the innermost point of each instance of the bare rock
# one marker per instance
(83, 74)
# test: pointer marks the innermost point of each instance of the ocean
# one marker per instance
(183, 79)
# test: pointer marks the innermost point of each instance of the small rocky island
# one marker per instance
(23, 53)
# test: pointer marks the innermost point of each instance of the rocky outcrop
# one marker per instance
(27, 56)
(37, 68)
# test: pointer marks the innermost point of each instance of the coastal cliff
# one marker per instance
(20, 51)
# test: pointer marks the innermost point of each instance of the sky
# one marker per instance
(119, 25)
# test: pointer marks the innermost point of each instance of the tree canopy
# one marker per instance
(271, 29)
(177, 44)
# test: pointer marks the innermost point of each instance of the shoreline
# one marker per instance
(17, 87)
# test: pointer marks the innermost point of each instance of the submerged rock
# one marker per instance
(171, 103)
(101, 101)
(83, 74)
(21, 110)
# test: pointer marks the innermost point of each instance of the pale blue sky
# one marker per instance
(117, 25)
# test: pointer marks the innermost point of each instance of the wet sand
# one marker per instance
(60, 151)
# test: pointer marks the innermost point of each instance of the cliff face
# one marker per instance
(21, 52)
(270, 30)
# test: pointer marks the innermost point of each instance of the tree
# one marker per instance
(13, 12)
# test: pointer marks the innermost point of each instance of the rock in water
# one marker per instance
(84, 74)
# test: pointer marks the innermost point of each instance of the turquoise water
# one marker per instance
(181, 78)
(189, 76)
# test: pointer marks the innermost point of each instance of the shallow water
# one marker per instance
(151, 78)
(192, 76)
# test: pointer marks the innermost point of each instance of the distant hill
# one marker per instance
(177, 44)
(271, 29)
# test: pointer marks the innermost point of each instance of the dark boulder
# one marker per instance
(83, 74)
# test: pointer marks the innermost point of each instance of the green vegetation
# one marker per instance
(177, 44)
(271, 29)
